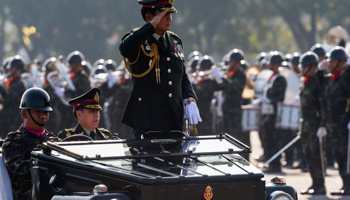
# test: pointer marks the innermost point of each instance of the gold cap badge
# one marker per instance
(96, 97)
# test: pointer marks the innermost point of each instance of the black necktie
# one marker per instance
(162, 42)
(93, 135)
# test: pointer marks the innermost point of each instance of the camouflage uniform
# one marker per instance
(267, 122)
(232, 91)
(10, 117)
(338, 99)
(101, 133)
(116, 108)
(205, 90)
(82, 85)
(16, 154)
(313, 110)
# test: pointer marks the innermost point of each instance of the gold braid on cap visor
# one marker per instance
(93, 106)
(169, 9)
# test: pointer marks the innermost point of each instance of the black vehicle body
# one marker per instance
(204, 167)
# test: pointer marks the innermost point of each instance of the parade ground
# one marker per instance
(299, 180)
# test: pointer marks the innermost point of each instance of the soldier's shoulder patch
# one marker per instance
(173, 35)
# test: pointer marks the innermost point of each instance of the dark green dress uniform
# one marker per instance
(313, 111)
(338, 98)
(89, 100)
(205, 90)
(152, 105)
(100, 133)
(82, 85)
(16, 151)
(11, 94)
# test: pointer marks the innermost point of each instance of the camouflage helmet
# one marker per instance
(318, 49)
(338, 53)
(205, 63)
(236, 54)
(75, 57)
(35, 98)
(308, 59)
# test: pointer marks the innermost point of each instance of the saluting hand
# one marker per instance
(155, 21)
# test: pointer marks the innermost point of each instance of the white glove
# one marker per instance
(216, 74)
(265, 100)
(59, 91)
(111, 80)
(348, 61)
(323, 65)
(321, 132)
(349, 126)
(296, 99)
(256, 102)
(192, 113)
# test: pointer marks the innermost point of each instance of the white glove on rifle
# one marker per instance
(321, 132)
(256, 102)
(322, 65)
(192, 113)
(59, 91)
(216, 74)
(111, 80)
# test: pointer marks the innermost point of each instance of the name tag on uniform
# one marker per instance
(267, 109)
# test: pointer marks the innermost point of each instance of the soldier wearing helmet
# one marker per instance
(161, 84)
(204, 89)
(338, 100)
(274, 92)
(295, 62)
(80, 81)
(313, 127)
(232, 87)
(35, 106)
(11, 92)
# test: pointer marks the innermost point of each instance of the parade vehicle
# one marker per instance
(184, 167)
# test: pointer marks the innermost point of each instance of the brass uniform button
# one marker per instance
(169, 71)
(140, 99)
(168, 58)
(170, 82)
(170, 95)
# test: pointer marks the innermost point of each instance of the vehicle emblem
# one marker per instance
(96, 97)
(208, 193)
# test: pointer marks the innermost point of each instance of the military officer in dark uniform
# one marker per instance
(338, 99)
(232, 87)
(204, 89)
(35, 105)
(80, 81)
(87, 110)
(11, 93)
(157, 63)
(313, 127)
(274, 92)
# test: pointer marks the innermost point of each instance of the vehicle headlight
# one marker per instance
(280, 195)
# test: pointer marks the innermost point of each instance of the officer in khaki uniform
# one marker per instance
(160, 82)
(87, 110)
